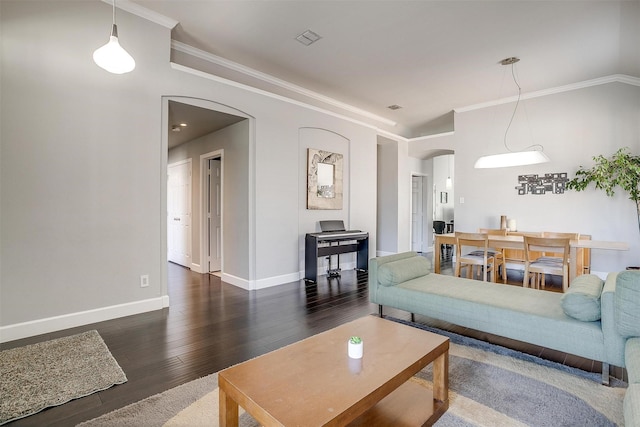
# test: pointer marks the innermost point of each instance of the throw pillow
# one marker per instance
(627, 303)
(394, 272)
(582, 299)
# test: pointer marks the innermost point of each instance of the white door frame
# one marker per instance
(205, 236)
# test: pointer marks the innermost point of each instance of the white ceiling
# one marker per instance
(198, 121)
(430, 57)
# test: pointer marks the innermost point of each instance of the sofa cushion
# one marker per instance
(392, 273)
(632, 359)
(582, 299)
(627, 303)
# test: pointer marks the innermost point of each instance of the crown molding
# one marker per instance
(144, 13)
(614, 78)
(267, 78)
(209, 76)
(382, 132)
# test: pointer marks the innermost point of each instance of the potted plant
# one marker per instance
(355, 347)
(620, 170)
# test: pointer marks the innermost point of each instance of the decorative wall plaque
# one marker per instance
(549, 183)
(324, 179)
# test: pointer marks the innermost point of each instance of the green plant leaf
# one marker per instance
(620, 170)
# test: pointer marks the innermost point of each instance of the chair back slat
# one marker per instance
(555, 245)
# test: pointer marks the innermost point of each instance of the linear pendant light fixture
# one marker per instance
(530, 156)
(112, 57)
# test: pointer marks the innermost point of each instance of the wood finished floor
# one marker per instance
(212, 325)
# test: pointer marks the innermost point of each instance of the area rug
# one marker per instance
(489, 386)
(54, 372)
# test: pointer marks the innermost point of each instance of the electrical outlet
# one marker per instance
(144, 280)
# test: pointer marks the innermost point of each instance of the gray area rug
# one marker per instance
(54, 372)
(489, 386)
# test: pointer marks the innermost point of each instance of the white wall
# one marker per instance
(573, 127)
(84, 159)
(80, 167)
(387, 198)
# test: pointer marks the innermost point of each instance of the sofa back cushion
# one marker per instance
(394, 272)
(627, 303)
(582, 299)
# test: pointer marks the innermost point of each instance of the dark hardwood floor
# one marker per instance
(212, 325)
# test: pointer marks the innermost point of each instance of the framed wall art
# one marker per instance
(324, 179)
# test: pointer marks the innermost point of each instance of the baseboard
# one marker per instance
(236, 281)
(57, 323)
(197, 268)
(277, 280)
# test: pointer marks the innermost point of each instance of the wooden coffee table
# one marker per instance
(314, 383)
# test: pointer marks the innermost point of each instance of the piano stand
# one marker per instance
(333, 272)
(350, 241)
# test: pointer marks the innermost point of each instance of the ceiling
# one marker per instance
(198, 121)
(430, 57)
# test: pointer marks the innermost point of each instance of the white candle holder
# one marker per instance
(355, 347)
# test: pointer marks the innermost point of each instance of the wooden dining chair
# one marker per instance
(535, 268)
(550, 255)
(498, 254)
(475, 259)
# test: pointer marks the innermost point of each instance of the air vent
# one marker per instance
(394, 107)
(308, 37)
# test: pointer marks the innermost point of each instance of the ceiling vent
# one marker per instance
(308, 37)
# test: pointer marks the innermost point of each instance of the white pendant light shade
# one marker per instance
(518, 158)
(112, 57)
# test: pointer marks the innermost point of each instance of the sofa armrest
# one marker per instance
(374, 263)
(613, 341)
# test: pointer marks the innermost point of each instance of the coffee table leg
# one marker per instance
(441, 377)
(228, 410)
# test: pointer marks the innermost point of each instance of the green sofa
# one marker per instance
(627, 316)
(594, 319)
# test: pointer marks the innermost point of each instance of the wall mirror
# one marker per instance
(326, 181)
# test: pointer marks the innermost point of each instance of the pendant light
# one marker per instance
(531, 156)
(112, 57)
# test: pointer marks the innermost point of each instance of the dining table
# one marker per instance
(517, 242)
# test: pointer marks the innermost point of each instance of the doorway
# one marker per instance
(419, 200)
(202, 130)
(212, 209)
